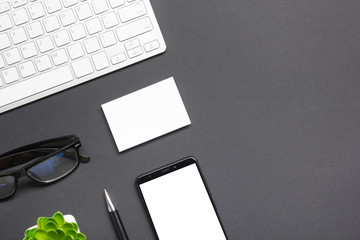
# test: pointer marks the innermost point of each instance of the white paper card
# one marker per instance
(146, 114)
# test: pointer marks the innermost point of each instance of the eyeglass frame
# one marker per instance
(22, 172)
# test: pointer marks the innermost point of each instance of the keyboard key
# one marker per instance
(51, 23)
(82, 67)
(27, 69)
(118, 58)
(109, 20)
(34, 29)
(99, 6)
(107, 39)
(100, 61)
(135, 52)
(12, 56)
(91, 45)
(151, 46)
(75, 51)
(68, 3)
(61, 38)
(18, 35)
(132, 44)
(2, 63)
(4, 41)
(36, 84)
(77, 32)
(5, 22)
(18, 3)
(20, 16)
(67, 17)
(59, 57)
(4, 6)
(93, 26)
(10, 75)
(43, 63)
(45, 44)
(116, 3)
(28, 50)
(36, 10)
(132, 11)
(83, 11)
(52, 5)
(133, 29)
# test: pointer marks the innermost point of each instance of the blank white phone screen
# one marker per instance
(180, 207)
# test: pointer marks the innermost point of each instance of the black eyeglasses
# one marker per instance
(51, 160)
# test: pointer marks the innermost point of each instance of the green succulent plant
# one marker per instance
(54, 228)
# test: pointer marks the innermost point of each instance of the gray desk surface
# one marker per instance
(272, 89)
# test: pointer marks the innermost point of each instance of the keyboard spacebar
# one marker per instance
(35, 85)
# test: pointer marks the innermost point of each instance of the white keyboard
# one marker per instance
(47, 46)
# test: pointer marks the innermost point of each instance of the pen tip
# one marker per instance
(108, 202)
(106, 194)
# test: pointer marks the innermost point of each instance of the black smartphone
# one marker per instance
(179, 204)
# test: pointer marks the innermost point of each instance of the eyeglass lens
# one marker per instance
(7, 186)
(55, 166)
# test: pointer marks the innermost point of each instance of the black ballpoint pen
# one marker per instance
(115, 218)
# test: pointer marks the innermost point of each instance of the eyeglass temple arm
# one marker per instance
(21, 158)
(43, 144)
(15, 160)
(84, 158)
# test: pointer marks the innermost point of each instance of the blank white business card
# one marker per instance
(146, 114)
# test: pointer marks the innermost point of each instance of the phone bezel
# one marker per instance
(161, 171)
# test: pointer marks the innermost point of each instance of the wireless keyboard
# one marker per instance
(47, 46)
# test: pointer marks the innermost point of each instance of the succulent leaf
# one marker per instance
(39, 222)
(43, 222)
(71, 233)
(66, 227)
(76, 227)
(61, 234)
(50, 226)
(53, 221)
(52, 235)
(80, 236)
(32, 232)
(27, 233)
(69, 238)
(59, 218)
(40, 234)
